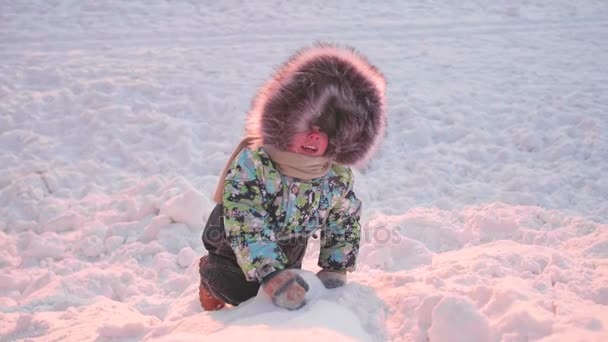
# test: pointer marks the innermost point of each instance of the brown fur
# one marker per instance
(337, 89)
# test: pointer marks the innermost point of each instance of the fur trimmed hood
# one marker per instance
(328, 86)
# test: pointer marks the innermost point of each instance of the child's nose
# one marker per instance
(313, 136)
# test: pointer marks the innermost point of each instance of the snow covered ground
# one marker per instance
(485, 211)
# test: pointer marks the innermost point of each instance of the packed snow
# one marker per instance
(485, 209)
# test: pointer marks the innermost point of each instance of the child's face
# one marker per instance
(312, 143)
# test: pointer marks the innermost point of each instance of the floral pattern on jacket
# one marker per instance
(263, 206)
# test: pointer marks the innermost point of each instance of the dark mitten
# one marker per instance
(286, 288)
(332, 279)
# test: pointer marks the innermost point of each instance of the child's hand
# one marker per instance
(286, 288)
(332, 279)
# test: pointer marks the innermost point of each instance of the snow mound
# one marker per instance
(484, 211)
(457, 319)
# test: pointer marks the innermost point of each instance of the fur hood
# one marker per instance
(323, 84)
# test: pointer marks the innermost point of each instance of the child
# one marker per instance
(322, 111)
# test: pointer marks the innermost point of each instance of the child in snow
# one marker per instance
(321, 112)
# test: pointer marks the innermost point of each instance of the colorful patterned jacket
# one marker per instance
(263, 207)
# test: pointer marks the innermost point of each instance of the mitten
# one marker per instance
(332, 279)
(286, 288)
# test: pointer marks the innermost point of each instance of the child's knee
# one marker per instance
(225, 280)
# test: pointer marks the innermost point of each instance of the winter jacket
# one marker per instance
(263, 207)
(326, 86)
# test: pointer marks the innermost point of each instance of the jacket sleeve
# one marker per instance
(341, 236)
(246, 220)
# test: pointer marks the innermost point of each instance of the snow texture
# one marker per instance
(485, 209)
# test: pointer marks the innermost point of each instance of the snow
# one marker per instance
(457, 319)
(485, 209)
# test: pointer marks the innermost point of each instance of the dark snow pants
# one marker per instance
(220, 273)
